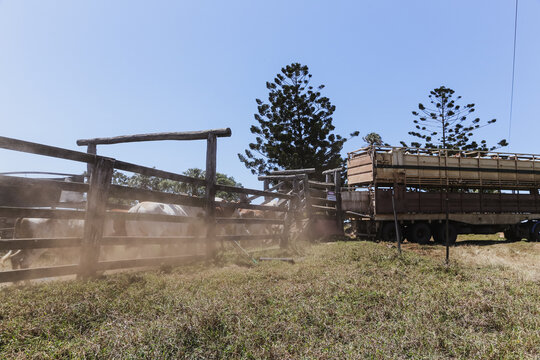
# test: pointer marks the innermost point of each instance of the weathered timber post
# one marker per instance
(328, 177)
(337, 190)
(92, 150)
(211, 152)
(307, 201)
(296, 203)
(96, 206)
(266, 186)
(287, 219)
(447, 242)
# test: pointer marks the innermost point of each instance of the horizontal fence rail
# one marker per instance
(148, 171)
(185, 135)
(148, 240)
(37, 273)
(45, 150)
(62, 185)
(124, 192)
(16, 212)
(247, 237)
(254, 207)
(238, 190)
(39, 243)
(320, 184)
(152, 217)
(248, 221)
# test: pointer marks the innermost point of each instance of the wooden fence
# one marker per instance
(315, 200)
(99, 190)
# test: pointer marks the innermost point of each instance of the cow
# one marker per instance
(162, 228)
(152, 228)
(39, 228)
(53, 228)
(260, 228)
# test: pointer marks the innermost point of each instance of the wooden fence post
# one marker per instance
(92, 150)
(211, 152)
(337, 190)
(96, 207)
(290, 215)
(307, 200)
(266, 186)
(296, 202)
(287, 219)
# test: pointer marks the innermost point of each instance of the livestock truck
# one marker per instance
(477, 192)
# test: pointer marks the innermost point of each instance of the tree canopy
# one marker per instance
(447, 124)
(294, 127)
(373, 138)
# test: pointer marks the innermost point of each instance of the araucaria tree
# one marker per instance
(446, 124)
(373, 139)
(294, 128)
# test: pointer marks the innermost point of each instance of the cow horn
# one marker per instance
(9, 254)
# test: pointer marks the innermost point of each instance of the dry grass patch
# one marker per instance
(521, 257)
(342, 301)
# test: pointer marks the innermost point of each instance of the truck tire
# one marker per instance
(441, 234)
(419, 232)
(388, 232)
(535, 232)
(510, 234)
(436, 236)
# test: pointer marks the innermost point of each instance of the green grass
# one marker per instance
(340, 300)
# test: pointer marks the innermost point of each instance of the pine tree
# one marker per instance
(295, 127)
(445, 124)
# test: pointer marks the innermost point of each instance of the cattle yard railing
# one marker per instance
(314, 200)
(100, 190)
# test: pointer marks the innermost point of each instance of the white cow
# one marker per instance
(158, 228)
(53, 228)
(162, 228)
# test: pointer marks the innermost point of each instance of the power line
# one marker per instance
(513, 74)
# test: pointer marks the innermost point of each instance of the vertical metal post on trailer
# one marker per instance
(398, 235)
(337, 190)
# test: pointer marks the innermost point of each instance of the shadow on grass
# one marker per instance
(484, 242)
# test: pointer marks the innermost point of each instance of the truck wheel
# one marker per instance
(511, 235)
(452, 233)
(389, 232)
(419, 233)
(436, 236)
(535, 232)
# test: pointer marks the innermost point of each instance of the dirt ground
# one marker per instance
(522, 257)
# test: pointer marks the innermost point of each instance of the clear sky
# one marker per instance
(81, 69)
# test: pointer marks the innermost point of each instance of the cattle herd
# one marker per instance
(61, 228)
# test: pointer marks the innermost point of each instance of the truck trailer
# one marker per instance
(476, 192)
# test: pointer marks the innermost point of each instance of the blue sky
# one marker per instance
(81, 69)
